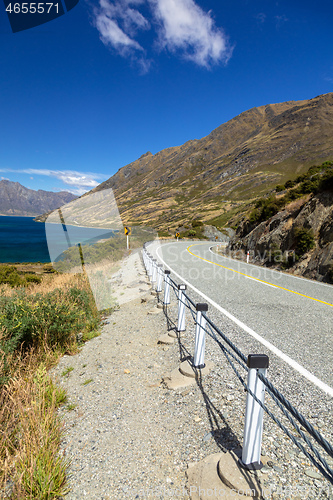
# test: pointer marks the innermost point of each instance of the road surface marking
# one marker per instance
(257, 279)
(296, 366)
(260, 281)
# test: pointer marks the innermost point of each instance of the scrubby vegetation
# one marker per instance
(11, 276)
(112, 249)
(304, 241)
(316, 180)
(38, 323)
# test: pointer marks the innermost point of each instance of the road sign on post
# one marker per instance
(177, 236)
(127, 231)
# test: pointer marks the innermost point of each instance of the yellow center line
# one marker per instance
(256, 279)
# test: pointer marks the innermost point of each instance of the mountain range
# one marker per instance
(16, 199)
(209, 178)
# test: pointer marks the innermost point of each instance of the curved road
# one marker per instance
(292, 317)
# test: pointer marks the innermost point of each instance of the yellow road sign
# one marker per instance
(127, 230)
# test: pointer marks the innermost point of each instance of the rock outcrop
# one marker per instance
(275, 242)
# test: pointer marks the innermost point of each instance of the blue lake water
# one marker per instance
(24, 240)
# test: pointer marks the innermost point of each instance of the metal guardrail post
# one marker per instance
(200, 335)
(153, 278)
(144, 256)
(167, 287)
(181, 309)
(159, 278)
(150, 266)
(254, 412)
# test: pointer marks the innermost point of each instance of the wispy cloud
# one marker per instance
(261, 17)
(187, 29)
(118, 23)
(75, 182)
(280, 20)
(180, 27)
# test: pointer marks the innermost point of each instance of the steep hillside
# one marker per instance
(239, 160)
(16, 199)
(299, 237)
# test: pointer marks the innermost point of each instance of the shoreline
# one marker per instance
(12, 215)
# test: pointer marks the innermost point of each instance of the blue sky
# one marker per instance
(91, 91)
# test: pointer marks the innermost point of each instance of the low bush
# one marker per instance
(304, 240)
(37, 324)
(45, 320)
(197, 223)
(316, 180)
(9, 275)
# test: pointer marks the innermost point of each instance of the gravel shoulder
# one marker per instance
(129, 437)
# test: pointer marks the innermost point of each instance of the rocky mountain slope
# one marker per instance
(299, 237)
(16, 199)
(239, 160)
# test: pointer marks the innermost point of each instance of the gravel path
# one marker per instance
(129, 437)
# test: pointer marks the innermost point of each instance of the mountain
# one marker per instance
(241, 159)
(214, 177)
(16, 199)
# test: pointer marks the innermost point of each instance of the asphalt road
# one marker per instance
(291, 317)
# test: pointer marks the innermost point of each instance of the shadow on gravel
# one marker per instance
(221, 432)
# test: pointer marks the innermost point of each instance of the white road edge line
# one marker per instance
(259, 281)
(296, 366)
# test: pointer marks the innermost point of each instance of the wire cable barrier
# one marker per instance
(235, 357)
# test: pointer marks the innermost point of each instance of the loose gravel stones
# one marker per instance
(129, 437)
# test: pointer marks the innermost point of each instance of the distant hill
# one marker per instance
(213, 177)
(16, 199)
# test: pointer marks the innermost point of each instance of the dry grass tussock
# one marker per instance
(44, 319)
(30, 466)
(48, 284)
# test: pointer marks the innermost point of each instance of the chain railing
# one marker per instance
(257, 383)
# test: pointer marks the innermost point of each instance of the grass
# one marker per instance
(89, 335)
(67, 371)
(86, 382)
(71, 407)
(30, 464)
(38, 324)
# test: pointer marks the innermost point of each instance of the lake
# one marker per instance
(24, 240)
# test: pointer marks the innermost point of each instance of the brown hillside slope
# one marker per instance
(242, 158)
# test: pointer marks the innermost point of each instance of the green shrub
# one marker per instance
(10, 276)
(192, 232)
(289, 184)
(315, 180)
(32, 278)
(51, 320)
(197, 223)
(304, 240)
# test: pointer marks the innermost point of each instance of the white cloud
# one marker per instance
(79, 182)
(181, 27)
(117, 23)
(111, 34)
(186, 27)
